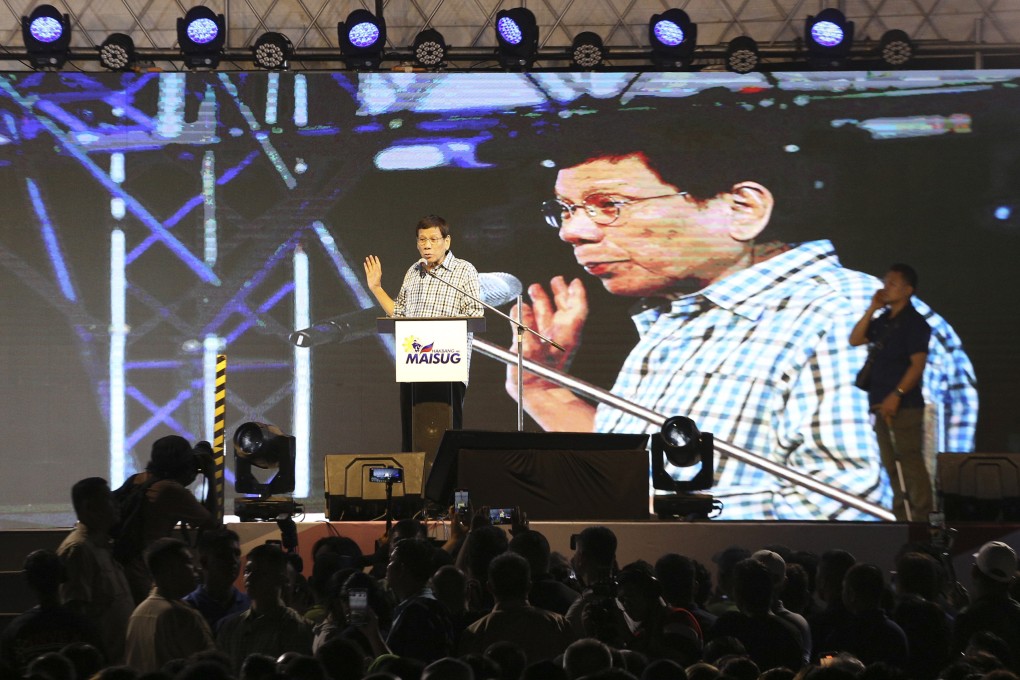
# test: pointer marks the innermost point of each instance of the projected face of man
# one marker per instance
(663, 241)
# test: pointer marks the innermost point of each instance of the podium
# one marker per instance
(431, 358)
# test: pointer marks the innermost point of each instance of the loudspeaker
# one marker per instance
(441, 473)
(351, 495)
(558, 485)
(982, 487)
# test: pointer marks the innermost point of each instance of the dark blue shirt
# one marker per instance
(894, 340)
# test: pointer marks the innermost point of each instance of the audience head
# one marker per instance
(678, 577)
(534, 547)
(173, 571)
(994, 566)
(738, 668)
(544, 670)
(204, 670)
(722, 647)
(44, 572)
(52, 666)
(448, 669)
(449, 585)
(300, 667)
(482, 546)
(509, 578)
(638, 591)
(93, 504)
(594, 554)
(219, 553)
(726, 561)
(86, 659)
(701, 671)
(832, 567)
(265, 573)
(662, 669)
(510, 658)
(258, 667)
(344, 546)
(752, 587)
(863, 588)
(796, 593)
(776, 565)
(342, 659)
(410, 566)
(585, 657)
(917, 574)
(172, 457)
(482, 667)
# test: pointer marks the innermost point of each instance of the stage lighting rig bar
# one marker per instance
(775, 57)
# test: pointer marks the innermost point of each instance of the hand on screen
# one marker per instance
(560, 317)
(373, 272)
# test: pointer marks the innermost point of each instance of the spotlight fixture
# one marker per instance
(201, 35)
(587, 51)
(273, 51)
(673, 37)
(742, 55)
(680, 444)
(516, 38)
(429, 49)
(895, 49)
(268, 448)
(362, 38)
(828, 38)
(47, 36)
(117, 53)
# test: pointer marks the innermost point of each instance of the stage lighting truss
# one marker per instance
(587, 51)
(896, 49)
(362, 39)
(673, 37)
(47, 37)
(430, 49)
(273, 51)
(117, 53)
(201, 35)
(742, 55)
(828, 38)
(516, 38)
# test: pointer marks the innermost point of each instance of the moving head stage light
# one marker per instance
(268, 448)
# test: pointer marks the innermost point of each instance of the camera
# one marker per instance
(461, 501)
(357, 603)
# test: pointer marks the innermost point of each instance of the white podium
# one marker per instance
(431, 357)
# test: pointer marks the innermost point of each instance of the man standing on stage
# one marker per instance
(740, 328)
(899, 351)
(422, 295)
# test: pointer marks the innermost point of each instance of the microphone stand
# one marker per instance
(521, 329)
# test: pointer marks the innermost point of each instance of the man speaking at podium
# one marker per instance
(430, 290)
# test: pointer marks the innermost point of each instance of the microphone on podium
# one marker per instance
(422, 267)
(497, 288)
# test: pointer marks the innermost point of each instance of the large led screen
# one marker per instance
(716, 238)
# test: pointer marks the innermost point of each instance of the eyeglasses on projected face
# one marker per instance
(602, 209)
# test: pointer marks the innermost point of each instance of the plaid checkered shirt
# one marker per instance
(762, 360)
(423, 296)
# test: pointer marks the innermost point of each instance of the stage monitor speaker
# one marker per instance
(351, 495)
(558, 485)
(979, 487)
(441, 474)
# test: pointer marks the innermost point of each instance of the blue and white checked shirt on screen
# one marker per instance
(762, 360)
(425, 297)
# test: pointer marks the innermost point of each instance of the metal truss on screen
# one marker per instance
(212, 241)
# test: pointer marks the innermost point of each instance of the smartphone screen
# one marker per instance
(357, 603)
(501, 515)
(460, 500)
